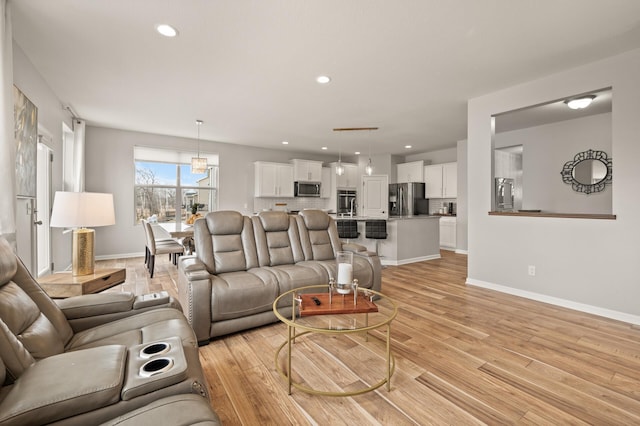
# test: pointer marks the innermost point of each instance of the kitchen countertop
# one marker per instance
(391, 218)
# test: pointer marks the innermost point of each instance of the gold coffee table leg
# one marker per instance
(289, 357)
(388, 358)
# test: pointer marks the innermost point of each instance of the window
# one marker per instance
(165, 189)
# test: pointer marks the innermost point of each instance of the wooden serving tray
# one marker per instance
(339, 304)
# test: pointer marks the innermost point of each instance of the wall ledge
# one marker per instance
(556, 215)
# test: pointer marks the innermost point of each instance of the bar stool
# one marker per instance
(347, 229)
(376, 230)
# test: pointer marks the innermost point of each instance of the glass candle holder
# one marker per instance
(344, 283)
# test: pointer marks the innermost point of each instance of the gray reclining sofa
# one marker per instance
(242, 264)
(108, 358)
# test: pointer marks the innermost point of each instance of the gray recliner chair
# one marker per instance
(90, 358)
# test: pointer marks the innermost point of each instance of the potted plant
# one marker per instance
(194, 212)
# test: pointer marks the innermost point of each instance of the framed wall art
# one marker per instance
(26, 137)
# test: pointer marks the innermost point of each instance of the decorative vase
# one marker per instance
(344, 283)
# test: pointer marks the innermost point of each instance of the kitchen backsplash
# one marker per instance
(435, 204)
(289, 204)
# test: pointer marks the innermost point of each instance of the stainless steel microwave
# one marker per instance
(306, 189)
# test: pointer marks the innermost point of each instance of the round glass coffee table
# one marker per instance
(313, 309)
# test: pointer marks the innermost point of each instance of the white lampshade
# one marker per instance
(82, 209)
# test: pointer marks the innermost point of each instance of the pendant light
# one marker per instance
(340, 167)
(369, 168)
(198, 165)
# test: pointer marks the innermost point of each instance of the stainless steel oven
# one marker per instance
(346, 201)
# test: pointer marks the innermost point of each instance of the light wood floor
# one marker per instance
(464, 356)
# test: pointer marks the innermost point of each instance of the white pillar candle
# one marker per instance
(345, 273)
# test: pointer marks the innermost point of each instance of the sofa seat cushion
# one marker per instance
(238, 294)
(176, 410)
(298, 275)
(362, 270)
(148, 326)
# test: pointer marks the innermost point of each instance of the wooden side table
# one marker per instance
(64, 284)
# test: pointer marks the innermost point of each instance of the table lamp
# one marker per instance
(79, 210)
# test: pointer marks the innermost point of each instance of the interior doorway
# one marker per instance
(43, 207)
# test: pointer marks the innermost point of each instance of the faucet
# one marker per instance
(353, 203)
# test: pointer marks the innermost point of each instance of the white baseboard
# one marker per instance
(119, 256)
(607, 313)
(460, 251)
(407, 261)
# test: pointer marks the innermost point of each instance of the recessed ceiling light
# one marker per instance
(408, 146)
(324, 148)
(285, 143)
(166, 30)
(323, 79)
(579, 103)
(357, 153)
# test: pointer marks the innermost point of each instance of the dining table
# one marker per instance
(182, 231)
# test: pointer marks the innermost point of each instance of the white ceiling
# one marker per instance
(248, 67)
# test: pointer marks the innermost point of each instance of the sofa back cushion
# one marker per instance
(277, 239)
(318, 235)
(225, 243)
(32, 326)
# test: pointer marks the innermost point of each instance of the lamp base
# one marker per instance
(83, 244)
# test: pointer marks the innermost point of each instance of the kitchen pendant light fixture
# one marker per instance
(199, 164)
(340, 168)
(369, 168)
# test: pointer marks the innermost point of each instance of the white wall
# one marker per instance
(585, 263)
(462, 205)
(110, 168)
(50, 118)
(449, 155)
(546, 149)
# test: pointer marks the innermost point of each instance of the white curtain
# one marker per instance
(7, 142)
(78, 155)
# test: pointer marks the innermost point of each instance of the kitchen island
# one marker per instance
(409, 239)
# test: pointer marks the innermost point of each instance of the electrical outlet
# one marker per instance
(532, 270)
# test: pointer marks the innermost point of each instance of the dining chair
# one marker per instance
(154, 247)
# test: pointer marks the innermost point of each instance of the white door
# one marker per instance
(25, 232)
(43, 210)
(375, 196)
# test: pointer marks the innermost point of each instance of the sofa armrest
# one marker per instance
(66, 385)
(92, 310)
(194, 293)
(356, 248)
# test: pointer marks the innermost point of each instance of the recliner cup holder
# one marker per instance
(156, 366)
(155, 349)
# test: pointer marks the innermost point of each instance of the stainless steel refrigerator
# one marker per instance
(407, 199)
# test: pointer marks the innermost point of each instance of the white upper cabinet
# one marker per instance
(410, 172)
(349, 179)
(307, 171)
(325, 184)
(450, 180)
(273, 179)
(441, 180)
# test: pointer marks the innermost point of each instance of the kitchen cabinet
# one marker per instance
(448, 232)
(441, 180)
(325, 183)
(307, 170)
(349, 179)
(273, 179)
(410, 172)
